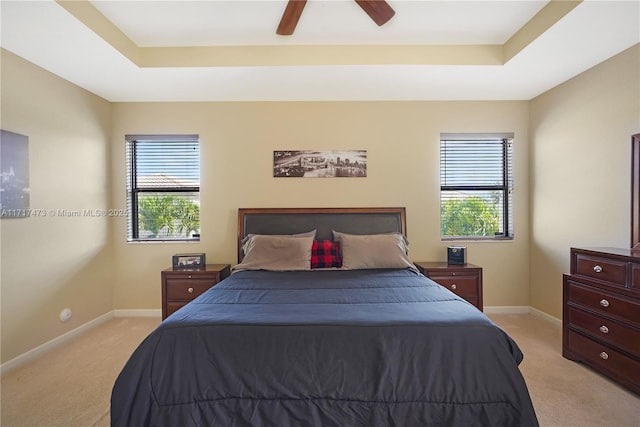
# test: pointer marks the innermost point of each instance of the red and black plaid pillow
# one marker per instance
(325, 254)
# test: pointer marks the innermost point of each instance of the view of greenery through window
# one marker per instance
(160, 215)
(471, 216)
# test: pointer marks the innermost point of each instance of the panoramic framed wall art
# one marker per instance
(14, 173)
(320, 164)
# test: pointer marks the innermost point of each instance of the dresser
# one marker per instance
(601, 313)
(182, 286)
(463, 280)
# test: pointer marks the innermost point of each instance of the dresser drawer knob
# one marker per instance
(604, 329)
(454, 287)
(189, 276)
(604, 303)
(597, 269)
(190, 290)
(604, 356)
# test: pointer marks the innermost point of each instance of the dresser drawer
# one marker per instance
(621, 367)
(464, 286)
(187, 289)
(617, 334)
(603, 302)
(601, 268)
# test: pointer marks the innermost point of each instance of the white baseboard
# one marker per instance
(138, 313)
(501, 309)
(50, 345)
(549, 318)
(507, 309)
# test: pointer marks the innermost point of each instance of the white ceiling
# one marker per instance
(45, 33)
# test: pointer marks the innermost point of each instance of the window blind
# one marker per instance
(163, 176)
(476, 185)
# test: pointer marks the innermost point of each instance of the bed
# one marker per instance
(347, 334)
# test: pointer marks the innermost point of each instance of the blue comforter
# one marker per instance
(324, 348)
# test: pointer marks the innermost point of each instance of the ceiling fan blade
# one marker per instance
(290, 17)
(378, 10)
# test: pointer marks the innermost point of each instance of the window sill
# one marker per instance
(476, 239)
(153, 241)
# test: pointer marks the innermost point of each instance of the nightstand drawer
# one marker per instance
(463, 280)
(179, 287)
(464, 286)
(187, 289)
(458, 272)
(173, 306)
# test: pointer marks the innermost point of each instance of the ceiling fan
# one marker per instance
(378, 10)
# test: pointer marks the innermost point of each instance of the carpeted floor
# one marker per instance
(71, 385)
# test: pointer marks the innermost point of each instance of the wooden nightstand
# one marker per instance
(181, 286)
(463, 280)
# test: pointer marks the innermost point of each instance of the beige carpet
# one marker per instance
(565, 393)
(71, 386)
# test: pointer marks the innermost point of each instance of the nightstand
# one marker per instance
(463, 280)
(182, 286)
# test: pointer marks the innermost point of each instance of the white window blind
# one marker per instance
(476, 185)
(163, 187)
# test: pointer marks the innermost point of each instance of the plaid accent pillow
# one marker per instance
(325, 254)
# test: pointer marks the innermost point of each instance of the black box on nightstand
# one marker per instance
(457, 255)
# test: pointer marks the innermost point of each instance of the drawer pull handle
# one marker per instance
(604, 329)
(190, 290)
(604, 303)
(454, 287)
(604, 356)
(597, 269)
(189, 276)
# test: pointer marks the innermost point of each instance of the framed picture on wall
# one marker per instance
(319, 164)
(14, 173)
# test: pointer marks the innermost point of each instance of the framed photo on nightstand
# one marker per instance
(190, 261)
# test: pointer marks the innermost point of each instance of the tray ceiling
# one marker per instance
(127, 51)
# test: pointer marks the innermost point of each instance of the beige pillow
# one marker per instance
(374, 251)
(249, 236)
(277, 253)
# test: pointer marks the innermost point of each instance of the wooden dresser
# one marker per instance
(182, 286)
(463, 280)
(601, 313)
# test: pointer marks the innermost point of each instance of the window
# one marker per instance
(476, 186)
(163, 187)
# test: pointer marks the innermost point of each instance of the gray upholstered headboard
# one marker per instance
(299, 220)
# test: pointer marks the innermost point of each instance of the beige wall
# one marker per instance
(580, 134)
(581, 170)
(53, 262)
(402, 143)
